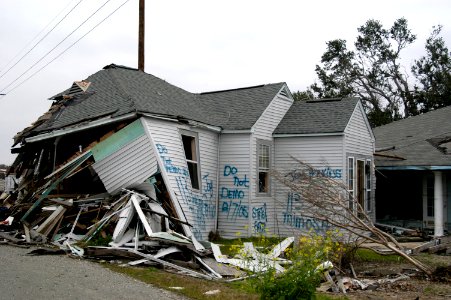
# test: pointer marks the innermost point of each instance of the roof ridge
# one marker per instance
(241, 88)
(423, 115)
(120, 87)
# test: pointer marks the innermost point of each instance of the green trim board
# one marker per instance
(118, 140)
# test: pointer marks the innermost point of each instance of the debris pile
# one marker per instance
(138, 225)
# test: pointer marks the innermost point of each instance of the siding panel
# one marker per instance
(321, 153)
(199, 206)
(234, 185)
(132, 163)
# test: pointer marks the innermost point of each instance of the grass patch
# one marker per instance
(192, 287)
(367, 255)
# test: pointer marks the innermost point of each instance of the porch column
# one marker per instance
(438, 204)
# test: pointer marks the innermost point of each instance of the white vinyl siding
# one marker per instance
(262, 209)
(325, 154)
(234, 186)
(130, 165)
(360, 144)
(121, 163)
(359, 139)
(199, 207)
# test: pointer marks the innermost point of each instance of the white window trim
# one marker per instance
(270, 145)
(351, 191)
(368, 189)
(195, 135)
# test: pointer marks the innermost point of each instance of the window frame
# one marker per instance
(368, 184)
(196, 160)
(351, 181)
(266, 170)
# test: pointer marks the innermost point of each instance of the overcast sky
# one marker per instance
(198, 45)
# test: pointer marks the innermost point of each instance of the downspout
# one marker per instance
(217, 183)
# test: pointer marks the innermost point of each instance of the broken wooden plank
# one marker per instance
(111, 252)
(51, 221)
(135, 200)
(223, 269)
(173, 266)
(8, 237)
(125, 217)
(438, 248)
(423, 247)
(212, 271)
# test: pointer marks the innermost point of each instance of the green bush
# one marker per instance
(300, 280)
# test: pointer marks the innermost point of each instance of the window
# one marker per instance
(263, 168)
(351, 182)
(368, 184)
(189, 141)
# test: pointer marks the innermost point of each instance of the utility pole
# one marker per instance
(141, 36)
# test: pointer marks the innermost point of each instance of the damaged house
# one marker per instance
(204, 158)
(413, 160)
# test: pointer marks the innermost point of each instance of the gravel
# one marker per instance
(50, 276)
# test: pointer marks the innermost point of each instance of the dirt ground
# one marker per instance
(414, 285)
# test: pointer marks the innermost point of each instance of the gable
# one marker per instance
(317, 116)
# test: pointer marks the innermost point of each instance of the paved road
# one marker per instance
(60, 277)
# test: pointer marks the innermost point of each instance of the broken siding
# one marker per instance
(199, 206)
(234, 185)
(125, 158)
(325, 155)
(262, 208)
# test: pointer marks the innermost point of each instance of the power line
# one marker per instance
(55, 58)
(40, 40)
(32, 40)
(51, 50)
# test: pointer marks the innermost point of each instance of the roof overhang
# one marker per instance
(77, 128)
(414, 168)
(285, 135)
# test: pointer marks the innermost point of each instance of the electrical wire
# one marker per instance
(51, 50)
(73, 44)
(32, 40)
(23, 56)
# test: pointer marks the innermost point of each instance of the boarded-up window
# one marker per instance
(192, 159)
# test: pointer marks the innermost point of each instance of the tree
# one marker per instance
(374, 73)
(433, 72)
(326, 199)
(303, 96)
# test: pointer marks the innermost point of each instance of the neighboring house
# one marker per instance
(413, 162)
(205, 156)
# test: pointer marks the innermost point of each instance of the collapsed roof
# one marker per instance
(116, 91)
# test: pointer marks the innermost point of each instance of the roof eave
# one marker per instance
(78, 128)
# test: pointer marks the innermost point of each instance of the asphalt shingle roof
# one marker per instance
(415, 140)
(118, 90)
(317, 116)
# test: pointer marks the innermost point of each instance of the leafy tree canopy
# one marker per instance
(373, 72)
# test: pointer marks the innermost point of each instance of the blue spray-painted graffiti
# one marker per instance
(235, 209)
(260, 218)
(233, 203)
(328, 172)
(201, 204)
(167, 162)
(296, 220)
